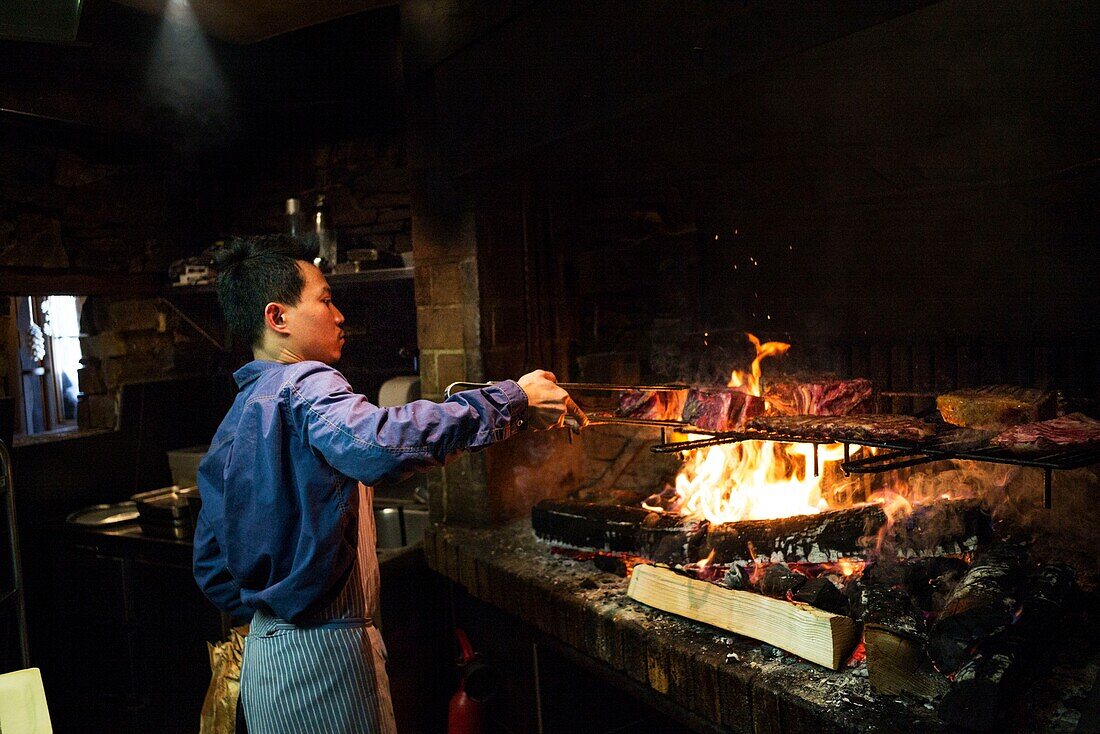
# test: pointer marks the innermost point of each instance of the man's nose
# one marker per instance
(339, 317)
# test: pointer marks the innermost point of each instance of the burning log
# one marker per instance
(779, 580)
(980, 606)
(823, 594)
(940, 528)
(895, 639)
(817, 636)
(825, 537)
(981, 690)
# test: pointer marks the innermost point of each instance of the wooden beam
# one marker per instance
(818, 636)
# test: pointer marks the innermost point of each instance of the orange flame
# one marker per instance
(752, 480)
(896, 507)
(751, 380)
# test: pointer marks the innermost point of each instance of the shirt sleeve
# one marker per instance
(372, 444)
(212, 574)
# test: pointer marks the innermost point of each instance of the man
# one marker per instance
(286, 533)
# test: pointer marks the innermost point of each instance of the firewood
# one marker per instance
(983, 687)
(823, 594)
(587, 525)
(980, 606)
(953, 526)
(895, 638)
(818, 636)
(779, 580)
(942, 527)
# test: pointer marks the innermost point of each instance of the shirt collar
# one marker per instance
(253, 370)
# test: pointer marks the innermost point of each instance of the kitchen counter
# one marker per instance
(128, 539)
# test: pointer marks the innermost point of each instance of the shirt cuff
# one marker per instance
(517, 403)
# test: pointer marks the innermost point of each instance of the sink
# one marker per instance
(399, 525)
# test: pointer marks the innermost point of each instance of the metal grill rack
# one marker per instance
(954, 444)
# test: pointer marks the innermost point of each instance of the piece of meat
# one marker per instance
(817, 396)
(656, 405)
(996, 406)
(1070, 430)
(721, 409)
(864, 427)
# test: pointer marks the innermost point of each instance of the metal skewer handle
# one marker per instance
(570, 386)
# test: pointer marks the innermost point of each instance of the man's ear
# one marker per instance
(275, 317)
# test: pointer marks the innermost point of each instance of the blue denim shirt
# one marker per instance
(276, 530)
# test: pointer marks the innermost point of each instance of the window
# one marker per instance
(45, 346)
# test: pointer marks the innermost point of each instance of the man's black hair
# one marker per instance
(253, 272)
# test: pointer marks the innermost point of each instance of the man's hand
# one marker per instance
(548, 404)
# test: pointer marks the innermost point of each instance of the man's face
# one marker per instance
(315, 324)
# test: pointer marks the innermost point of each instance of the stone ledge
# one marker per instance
(731, 682)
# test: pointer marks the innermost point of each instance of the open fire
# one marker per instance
(749, 480)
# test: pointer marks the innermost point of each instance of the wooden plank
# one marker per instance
(820, 637)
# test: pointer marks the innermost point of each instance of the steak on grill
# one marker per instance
(820, 396)
(866, 427)
(721, 409)
(657, 405)
(1069, 430)
(996, 406)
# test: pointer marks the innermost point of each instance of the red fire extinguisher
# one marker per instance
(478, 683)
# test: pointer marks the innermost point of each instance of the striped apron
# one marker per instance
(329, 675)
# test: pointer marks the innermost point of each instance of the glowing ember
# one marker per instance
(751, 480)
(859, 655)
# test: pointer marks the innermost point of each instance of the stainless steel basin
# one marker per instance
(399, 525)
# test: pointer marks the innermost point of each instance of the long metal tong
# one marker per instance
(580, 419)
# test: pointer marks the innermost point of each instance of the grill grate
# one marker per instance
(953, 444)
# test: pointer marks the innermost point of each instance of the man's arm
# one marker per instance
(370, 444)
(213, 576)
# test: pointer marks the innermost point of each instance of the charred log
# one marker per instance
(823, 594)
(981, 691)
(944, 527)
(664, 537)
(779, 580)
(980, 606)
(930, 581)
(895, 638)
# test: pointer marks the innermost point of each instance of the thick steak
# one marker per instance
(866, 427)
(824, 396)
(721, 409)
(996, 406)
(1069, 430)
(657, 405)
